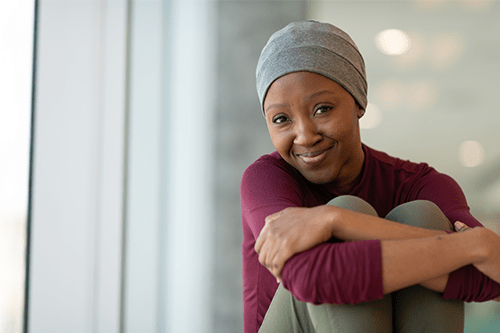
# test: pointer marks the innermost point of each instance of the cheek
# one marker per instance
(281, 141)
(345, 129)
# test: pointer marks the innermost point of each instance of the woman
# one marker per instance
(316, 254)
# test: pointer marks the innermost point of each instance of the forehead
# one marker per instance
(302, 85)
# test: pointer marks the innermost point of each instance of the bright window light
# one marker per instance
(393, 42)
(16, 45)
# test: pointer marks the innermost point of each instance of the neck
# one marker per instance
(353, 173)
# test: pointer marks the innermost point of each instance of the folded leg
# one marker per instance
(418, 309)
(287, 314)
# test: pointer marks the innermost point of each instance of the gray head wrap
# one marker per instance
(314, 47)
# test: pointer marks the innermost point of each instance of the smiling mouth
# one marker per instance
(313, 157)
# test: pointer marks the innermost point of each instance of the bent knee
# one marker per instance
(353, 203)
(420, 213)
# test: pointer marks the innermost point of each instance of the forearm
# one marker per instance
(389, 266)
(349, 225)
(440, 260)
(425, 261)
(353, 226)
(424, 256)
(437, 284)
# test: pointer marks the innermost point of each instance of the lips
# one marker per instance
(313, 157)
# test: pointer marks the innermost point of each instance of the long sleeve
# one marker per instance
(467, 283)
(343, 272)
(337, 273)
(470, 285)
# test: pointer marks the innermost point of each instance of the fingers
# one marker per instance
(272, 259)
(260, 241)
(459, 226)
(263, 233)
(275, 268)
(271, 247)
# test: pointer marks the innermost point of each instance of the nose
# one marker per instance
(306, 133)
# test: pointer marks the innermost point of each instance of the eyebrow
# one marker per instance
(319, 93)
(316, 94)
(277, 105)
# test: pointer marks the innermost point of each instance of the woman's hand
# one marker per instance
(460, 226)
(490, 242)
(291, 231)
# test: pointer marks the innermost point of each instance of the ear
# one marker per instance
(361, 112)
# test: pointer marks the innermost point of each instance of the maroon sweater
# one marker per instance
(343, 272)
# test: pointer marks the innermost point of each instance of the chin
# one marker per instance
(319, 179)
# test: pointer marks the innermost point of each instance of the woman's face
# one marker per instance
(313, 124)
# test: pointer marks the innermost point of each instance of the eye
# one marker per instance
(322, 109)
(279, 119)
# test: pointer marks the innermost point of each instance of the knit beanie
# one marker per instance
(313, 47)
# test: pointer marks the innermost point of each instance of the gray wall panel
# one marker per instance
(241, 135)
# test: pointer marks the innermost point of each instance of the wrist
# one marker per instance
(330, 218)
(481, 238)
(475, 244)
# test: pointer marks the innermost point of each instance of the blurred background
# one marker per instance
(119, 207)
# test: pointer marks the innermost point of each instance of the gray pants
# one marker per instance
(413, 309)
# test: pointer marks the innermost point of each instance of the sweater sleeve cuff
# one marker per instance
(378, 283)
(470, 285)
(341, 273)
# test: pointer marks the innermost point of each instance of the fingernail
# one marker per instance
(459, 225)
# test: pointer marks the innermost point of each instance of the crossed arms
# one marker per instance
(410, 255)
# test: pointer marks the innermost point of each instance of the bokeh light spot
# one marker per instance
(471, 153)
(392, 42)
